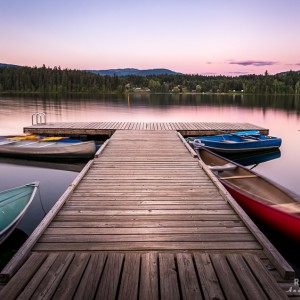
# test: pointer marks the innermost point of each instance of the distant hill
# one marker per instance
(120, 72)
(7, 66)
(287, 72)
(131, 71)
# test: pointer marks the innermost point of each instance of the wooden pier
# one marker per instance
(108, 128)
(145, 219)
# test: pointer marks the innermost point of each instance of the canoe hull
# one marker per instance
(259, 197)
(239, 142)
(82, 150)
(287, 224)
(6, 234)
(244, 149)
(13, 206)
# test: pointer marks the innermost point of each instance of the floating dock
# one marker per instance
(145, 219)
(108, 128)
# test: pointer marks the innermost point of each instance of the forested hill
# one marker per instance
(131, 71)
(62, 81)
(7, 65)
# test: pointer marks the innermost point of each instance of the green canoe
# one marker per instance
(13, 205)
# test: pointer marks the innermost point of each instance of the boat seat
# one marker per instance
(226, 167)
(288, 207)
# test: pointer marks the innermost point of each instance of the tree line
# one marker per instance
(65, 81)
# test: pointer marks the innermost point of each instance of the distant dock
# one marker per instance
(145, 219)
(108, 128)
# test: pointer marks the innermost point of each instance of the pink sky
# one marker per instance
(206, 37)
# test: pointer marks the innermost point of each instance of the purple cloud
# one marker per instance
(292, 65)
(256, 63)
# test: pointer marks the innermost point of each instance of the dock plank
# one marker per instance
(130, 277)
(171, 237)
(65, 222)
(70, 281)
(169, 287)
(226, 277)
(108, 285)
(246, 279)
(89, 283)
(149, 277)
(147, 246)
(22, 279)
(37, 278)
(53, 277)
(208, 278)
(189, 284)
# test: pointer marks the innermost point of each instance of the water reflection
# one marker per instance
(287, 247)
(54, 179)
(254, 158)
(53, 182)
(11, 245)
(163, 107)
(64, 166)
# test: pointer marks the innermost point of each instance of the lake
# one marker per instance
(280, 114)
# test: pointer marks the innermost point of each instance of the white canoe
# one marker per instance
(47, 150)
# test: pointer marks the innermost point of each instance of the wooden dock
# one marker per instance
(108, 128)
(146, 220)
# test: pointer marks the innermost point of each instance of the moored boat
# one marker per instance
(259, 197)
(239, 142)
(47, 148)
(13, 205)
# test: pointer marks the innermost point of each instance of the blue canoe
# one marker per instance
(13, 205)
(243, 141)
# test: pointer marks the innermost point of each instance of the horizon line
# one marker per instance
(229, 73)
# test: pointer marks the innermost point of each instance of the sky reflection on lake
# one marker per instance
(279, 114)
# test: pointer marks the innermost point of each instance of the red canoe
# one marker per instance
(258, 196)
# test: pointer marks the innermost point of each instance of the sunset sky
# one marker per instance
(230, 37)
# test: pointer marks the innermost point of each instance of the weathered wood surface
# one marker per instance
(164, 275)
(142, 174)
(108, 128)
(146, 222)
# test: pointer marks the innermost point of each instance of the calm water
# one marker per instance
(280, 114)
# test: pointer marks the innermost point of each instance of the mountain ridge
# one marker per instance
(133, 71)
(287, 72)
(8, 66)
(119, 71)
